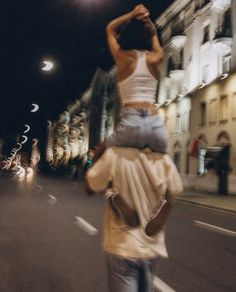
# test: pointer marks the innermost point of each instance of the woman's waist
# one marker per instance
(139, 104)
(143, 109)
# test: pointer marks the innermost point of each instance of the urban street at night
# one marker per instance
(118, 146)
(44, 249)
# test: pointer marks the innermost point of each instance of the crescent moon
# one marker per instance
(25, 139)
(35, 108)
(48, 65)
(27, 128)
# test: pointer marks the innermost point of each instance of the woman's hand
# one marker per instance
(140, 12)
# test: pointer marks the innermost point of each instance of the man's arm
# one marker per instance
(157, 223)
(87, 186)
(99, 175)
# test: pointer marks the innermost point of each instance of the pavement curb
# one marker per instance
(207, 206)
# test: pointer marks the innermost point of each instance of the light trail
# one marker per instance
(52, 200)
(87, 227)
(161, 285)
(215, 228)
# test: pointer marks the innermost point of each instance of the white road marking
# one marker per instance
(87, 227)
(161, 286)
(39, 188)
(52, 200)
(215, 228)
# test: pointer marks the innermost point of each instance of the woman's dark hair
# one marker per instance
(136, 35)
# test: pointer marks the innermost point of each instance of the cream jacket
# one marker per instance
(142, 178)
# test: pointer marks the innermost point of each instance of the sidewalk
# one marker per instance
(210, 200)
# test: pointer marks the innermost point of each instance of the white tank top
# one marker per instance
(141, 85)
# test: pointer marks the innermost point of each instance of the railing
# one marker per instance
(201, 5)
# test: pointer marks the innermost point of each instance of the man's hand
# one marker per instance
(100, 149)
(157, 223)
(86, 184)
(120, 207)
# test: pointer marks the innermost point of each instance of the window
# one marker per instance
(177, 155)
(177, 158)
(234, 105)
(213, 111)
(178, 124)
(203, 114)
(171, 124)
(205, 73)
(226, 64)
(185, 122)
(206, 34)
(224, 108)
(201, 161)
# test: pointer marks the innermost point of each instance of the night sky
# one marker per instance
(70, 32)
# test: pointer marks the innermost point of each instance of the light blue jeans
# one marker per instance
(130, 275)
(139, 128)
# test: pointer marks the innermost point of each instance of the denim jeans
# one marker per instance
(139, 128)
(130, 275)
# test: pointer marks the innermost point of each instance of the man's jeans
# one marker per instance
(130, 275)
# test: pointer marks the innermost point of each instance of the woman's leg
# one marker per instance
(156, 134)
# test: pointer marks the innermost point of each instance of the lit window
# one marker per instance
(201, 161)
(178, 124)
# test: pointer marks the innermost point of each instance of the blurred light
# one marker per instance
(225, 75)
(25, 139)
(27, 128)
(29, 174)
(48, 65)
(35, 107)
(202, 85)
(20, 173)
(19, 147)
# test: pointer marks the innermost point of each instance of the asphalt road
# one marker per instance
(42, 248)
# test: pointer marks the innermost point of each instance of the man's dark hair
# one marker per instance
(136, 35)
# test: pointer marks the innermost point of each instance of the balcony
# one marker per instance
(221, 5)
(223, 37)
(178, 38)
(177, 74)
(175, 68)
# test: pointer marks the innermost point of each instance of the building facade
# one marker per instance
(197, 90)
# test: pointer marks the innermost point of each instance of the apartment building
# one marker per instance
(197, 90)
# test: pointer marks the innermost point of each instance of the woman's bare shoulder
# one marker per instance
(127, 56)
